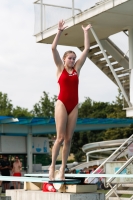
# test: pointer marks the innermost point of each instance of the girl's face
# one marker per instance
(70, 60)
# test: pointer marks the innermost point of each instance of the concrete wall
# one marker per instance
(39, 195)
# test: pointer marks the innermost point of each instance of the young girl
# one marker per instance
(66, 109)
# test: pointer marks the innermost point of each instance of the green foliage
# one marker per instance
(117, 111)
(93, 109)
(5, 105)
(79, 156)
(21, 112)
(85, 108)
(78, 140)
(45, 107)
(44, 159)
(118, 133)
(7, 109)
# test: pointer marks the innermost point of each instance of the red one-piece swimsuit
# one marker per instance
(68, 89)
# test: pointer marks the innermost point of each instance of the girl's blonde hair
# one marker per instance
(68, 52)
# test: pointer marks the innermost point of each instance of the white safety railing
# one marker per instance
(47, 15)
(45, 18)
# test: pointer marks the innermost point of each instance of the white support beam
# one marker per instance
(72, 8)
(131, 62)
(29, 150)
(41, 17)
(129, 111)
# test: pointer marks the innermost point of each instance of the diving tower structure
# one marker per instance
(107, 17)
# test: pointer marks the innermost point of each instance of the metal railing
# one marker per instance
(113, 157)
(42, 13)
(115, 153)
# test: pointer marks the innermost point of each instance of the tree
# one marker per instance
(118, 105)
(45, 107)
(85, 108)
(78, 140)
(21, 112)
(5, 105)
(93, 109)
(100, 109)
(118, 133)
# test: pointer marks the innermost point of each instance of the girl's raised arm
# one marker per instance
(56, 55)
(84, 54)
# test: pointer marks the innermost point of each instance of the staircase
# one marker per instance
(120, 189)
(121, 192)
(119, 62)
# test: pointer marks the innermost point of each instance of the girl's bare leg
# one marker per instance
(18, 185)
(14, 184)
(72, 118)
(61, 121)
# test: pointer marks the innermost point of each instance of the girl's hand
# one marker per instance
(61, 25)
(87, 27)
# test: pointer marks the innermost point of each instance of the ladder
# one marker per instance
(118, 60)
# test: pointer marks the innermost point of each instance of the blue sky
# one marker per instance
(27, 68)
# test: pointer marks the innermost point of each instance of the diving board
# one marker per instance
(85, 175)
(44, 177)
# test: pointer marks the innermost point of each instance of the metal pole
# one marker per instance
(44, 18)
(111, 68)
(29, 150)
(87, 155)
(41, 15)
(72, 8)
(131, 62)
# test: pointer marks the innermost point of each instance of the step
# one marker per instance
(94, 50)
(124, 191)
(118, 72)
(124, 78)
(126, 88)
(126, 83)
(112, 60)
(127, 185)
(101, 62)
(98, 56)
(117, 66)
(116, 198)
(104, 61)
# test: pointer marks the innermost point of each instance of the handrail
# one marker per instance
(116, 154)
(59, 6)
(113, 154)
(43, 14)
(121, 168)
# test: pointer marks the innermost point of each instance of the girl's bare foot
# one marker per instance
(51, 173)
(62, 173)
